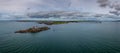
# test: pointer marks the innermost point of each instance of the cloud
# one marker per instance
(104, 3)
(50, 5)
(114, 5)
(22, 5)
(115, 12)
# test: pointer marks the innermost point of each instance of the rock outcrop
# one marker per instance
(33, 30)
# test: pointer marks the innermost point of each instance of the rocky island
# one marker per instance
(56, 22)
(33, 30)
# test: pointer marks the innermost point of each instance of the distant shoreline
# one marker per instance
(59, 21)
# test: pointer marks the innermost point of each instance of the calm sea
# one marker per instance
(83, 37)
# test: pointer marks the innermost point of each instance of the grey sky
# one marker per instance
(48, 5)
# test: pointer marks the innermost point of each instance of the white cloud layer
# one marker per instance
(22, 5)
(40, 5)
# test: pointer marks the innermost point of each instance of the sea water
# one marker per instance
(83, 37)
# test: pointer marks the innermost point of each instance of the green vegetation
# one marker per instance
(55, 22)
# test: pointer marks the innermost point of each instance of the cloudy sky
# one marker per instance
(49, 5)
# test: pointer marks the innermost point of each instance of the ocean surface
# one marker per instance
(83, 37)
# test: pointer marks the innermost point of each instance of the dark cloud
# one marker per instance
(115, 12)
(103, 3)
(111, 5)
(117, 7)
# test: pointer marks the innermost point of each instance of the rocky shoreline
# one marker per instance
(33, 30)
(40, 29)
